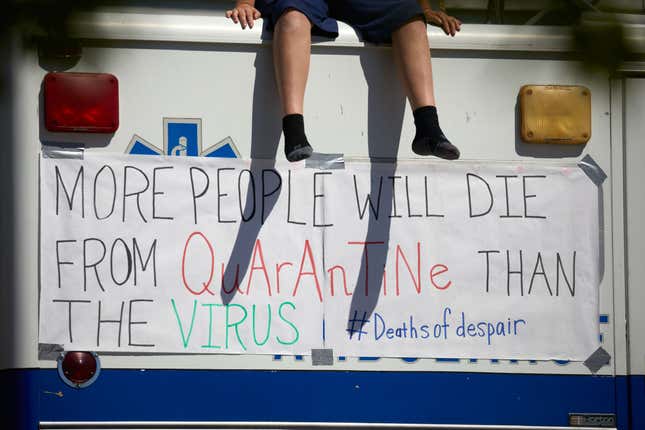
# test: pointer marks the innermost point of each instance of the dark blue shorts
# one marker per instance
(375, 20)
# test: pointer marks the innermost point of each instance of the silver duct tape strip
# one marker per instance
(593, 170)
(325, 161)
(322, 357)
(598, 359)
(49, 351)
(62, 152)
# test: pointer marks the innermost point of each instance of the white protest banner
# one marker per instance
(174, 254)
(464, 261)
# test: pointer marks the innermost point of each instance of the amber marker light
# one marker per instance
(559, 114)
(78, 369)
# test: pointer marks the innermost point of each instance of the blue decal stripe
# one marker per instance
(604, 319)
(139, 148)
(225, 148)
(182, 137)
(222, 152)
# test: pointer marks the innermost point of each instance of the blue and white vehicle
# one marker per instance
(193, 84)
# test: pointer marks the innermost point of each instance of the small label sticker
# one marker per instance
(592, 420)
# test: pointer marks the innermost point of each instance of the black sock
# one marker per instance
(427, 122)
(296, 146)
(429, 139)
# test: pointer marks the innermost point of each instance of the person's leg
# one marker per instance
(291, 53)
(412, 55)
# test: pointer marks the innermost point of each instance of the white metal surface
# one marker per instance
(618, 203)
(634, 222)
(353, 106)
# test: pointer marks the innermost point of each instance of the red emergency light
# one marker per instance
(79, 369)
(81, 102)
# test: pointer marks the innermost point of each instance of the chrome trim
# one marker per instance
(158, 425)
(150, 25)
(632, 68)
(188, 27)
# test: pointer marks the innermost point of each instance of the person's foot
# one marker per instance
(297, 152)
(429, 139)
(296, 145)
(439, 147)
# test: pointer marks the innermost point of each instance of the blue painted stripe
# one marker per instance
(604, 319)
(637, 404)
(337, 396)
(19, 400)
(630, 398)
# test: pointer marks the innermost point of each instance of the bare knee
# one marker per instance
(414, 28)
(293, 21)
